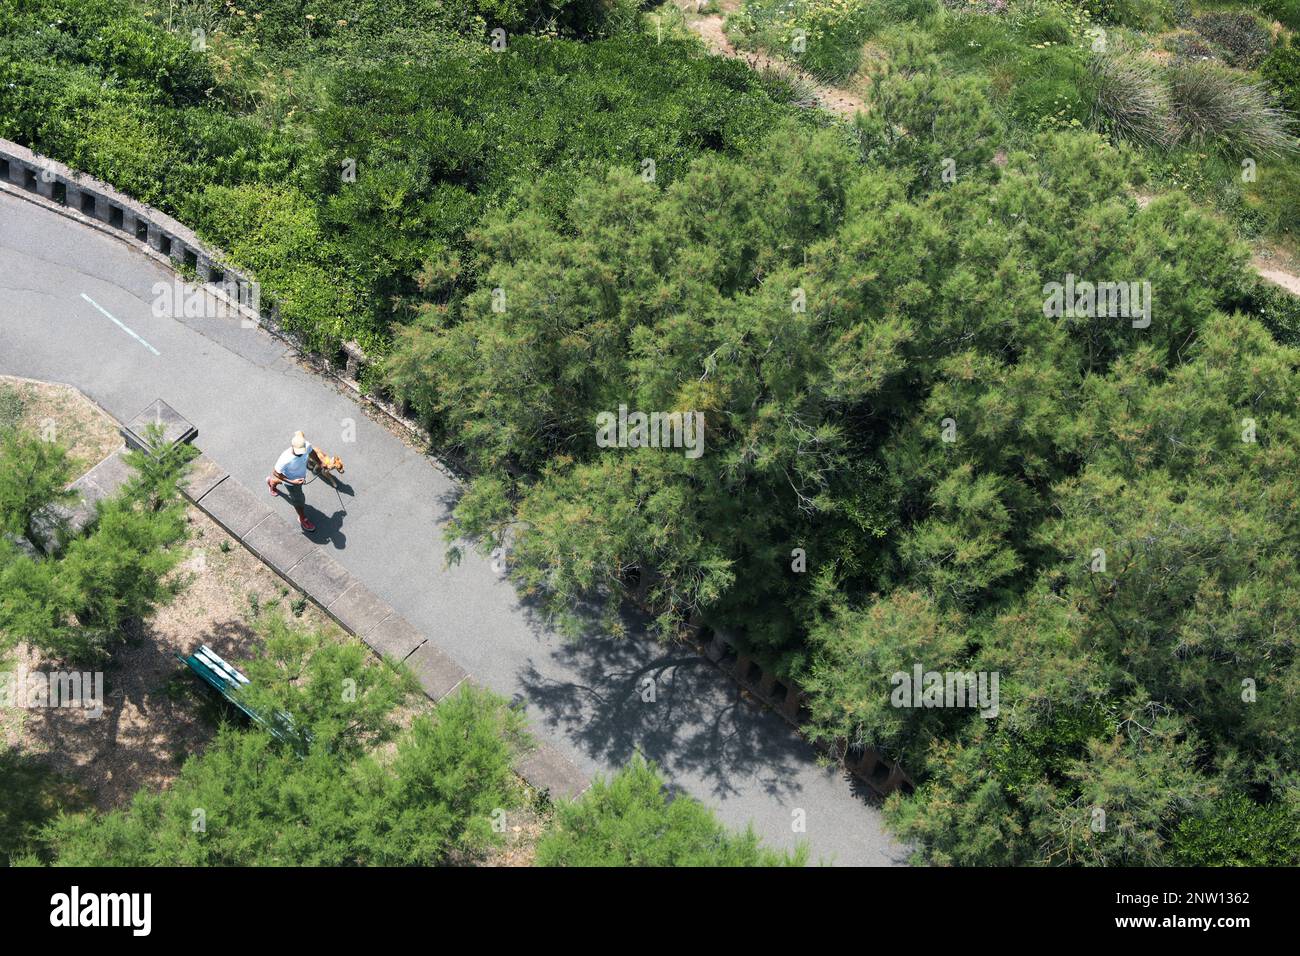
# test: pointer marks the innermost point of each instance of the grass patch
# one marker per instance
(11, 406)
(62, 414)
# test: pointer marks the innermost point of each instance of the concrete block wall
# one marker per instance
(782, 695)
(154, 232)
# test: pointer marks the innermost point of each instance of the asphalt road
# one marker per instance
(75, 308)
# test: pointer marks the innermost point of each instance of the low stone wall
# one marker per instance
(158, 235)
(868, 764)
(154, 232)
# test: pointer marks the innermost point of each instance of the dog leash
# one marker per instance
(316, 474)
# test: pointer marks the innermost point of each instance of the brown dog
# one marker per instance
(331, 463)
(323, 464)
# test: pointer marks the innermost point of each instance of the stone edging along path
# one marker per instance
(282, 547)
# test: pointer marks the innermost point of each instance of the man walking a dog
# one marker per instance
(291, 471)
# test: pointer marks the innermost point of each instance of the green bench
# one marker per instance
(227, 681)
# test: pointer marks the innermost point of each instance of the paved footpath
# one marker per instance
(75, 308)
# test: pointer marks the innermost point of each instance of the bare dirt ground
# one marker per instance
(155, 712)
(519, 847)
(59, 413)
(1278, 265)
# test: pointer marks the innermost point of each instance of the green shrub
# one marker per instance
(1217, 108)
(1186, 45)
(630, 820)
(1272, 201)
(134, 52)
(1053, 89)
(971, 39)
(448, 783)
(1281, 69)
(11, 407)
(34, 793)
(425, 123)
(853, 658)
(904, 10)
(1132, 102)
(1137, 14)
(275, 233)
(1236, 831)
(114, 576)
(336, 804)
(33, 473)
(1287, 12)
(1277, 309)
(1048, 27)
(434, 147)
(920, 118)
(75, 605)
(824, 39)
(295, 27)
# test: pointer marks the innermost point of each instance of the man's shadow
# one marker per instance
(329, 528)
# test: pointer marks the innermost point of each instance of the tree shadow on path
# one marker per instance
(634, 695)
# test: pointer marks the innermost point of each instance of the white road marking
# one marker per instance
(119, 324)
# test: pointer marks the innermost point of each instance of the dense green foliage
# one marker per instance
(1282, 70)
(254, 139)
(630, 820)
(1243, 37)
(1239, 832)
(1166, 447)
(33, 796)
(1097, 509)
(1104, 64)
(33, 474)
(370, 790)
(76, 602)
(1285, 11)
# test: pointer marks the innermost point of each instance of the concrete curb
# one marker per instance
(57, 522)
